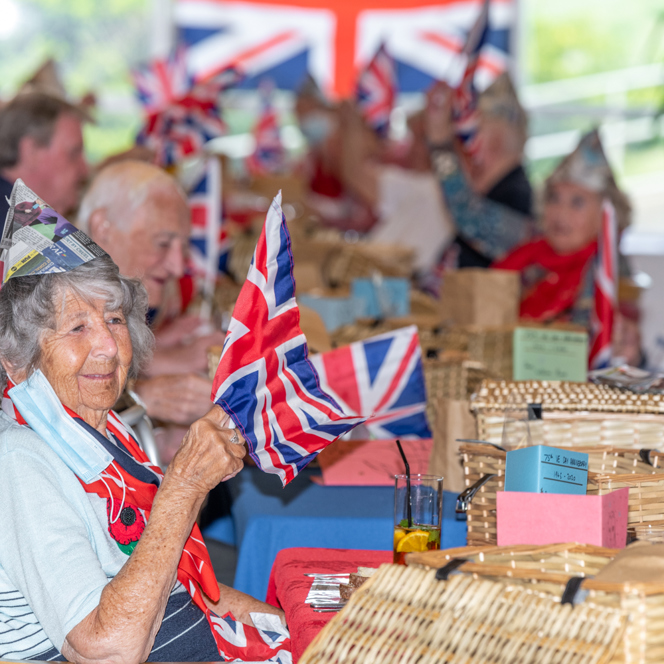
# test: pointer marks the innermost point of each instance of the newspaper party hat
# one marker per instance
(588, 167)
(37, 240)
(500, 100)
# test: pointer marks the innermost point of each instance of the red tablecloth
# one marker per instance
(289, 587)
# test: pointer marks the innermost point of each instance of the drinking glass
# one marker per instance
(417, 529)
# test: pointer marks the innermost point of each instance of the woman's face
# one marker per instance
(572, 217)
(87, 357)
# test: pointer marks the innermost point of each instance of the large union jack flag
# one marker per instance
(264, 380)
(333, 40)
(376, 91)
(606, 291)
(209, 241)
(380, 378)
(465, 112)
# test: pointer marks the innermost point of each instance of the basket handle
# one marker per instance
(443, 573)
(571, 591)
(465, 497)
(480, 442)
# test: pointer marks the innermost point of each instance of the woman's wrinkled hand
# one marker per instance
(438, 124)
(207, 456)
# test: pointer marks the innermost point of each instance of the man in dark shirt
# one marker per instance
(41, 142)
(489, 197)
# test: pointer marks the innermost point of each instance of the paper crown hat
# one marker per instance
(588, 167)
(37, 240)
(500, 100)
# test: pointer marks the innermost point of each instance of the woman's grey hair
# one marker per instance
(29, 307)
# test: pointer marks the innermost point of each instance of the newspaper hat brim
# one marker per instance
(37, 240)
(588, 167)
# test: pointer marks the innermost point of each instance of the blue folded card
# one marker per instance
(542, 469)
(387, 297)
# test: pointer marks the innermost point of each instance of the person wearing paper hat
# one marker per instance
(557, 269)
(489, 196)
(84, 575)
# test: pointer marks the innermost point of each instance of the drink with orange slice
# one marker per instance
(418, 509)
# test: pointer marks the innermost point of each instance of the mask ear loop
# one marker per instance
(111, 520)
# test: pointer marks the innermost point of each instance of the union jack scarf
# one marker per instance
(129, 501)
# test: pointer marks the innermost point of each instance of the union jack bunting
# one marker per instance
(382, 379)
(180, 115)
(606, 279)
(265, 381)
(209, 242)
(269, 154)
(376, 90)
(465, 98)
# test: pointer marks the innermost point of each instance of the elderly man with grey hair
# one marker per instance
(41, 142)
(139, 215)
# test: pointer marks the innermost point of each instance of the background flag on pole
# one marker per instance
(265, 381)
(606, 290)
(269, 155)
(465, 97)
(180, 115)
(380, 378)
(376, 91)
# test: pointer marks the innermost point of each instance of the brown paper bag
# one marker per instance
(641, 562)
(473, 296)
(452, 420)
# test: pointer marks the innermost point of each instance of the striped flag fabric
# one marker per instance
(269, 155)
(606, 290)
(376, 91)
(465, 113)
(209, 242)
(181, 115)
(380, 378)
(265, 380)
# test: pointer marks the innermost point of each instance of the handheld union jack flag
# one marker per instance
(465, 113)
(209, 242)
(606, 279)
(269, 154)
(376, 90)
(181, 115)
(265, 381)
(380, 378)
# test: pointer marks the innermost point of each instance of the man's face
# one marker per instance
(153, 246)
(57, 171)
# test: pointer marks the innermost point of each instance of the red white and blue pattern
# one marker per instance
(264, 380)
(606, 290)
(376, 91)
(180, 114)
(269, 155)
(465, 97)
(334, 39)
(209, 242)
(382, 379)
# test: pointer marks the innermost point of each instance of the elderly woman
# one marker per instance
(101, 560)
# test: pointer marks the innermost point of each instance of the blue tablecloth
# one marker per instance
(268, 518)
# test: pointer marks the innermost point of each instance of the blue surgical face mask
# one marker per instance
(46, 416)
(316, 127)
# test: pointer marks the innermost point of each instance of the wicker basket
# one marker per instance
(403, 615)
(609, 469)
(549, 569)
(574, 414)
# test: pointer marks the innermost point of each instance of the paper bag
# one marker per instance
(452, 420)
(473, 296)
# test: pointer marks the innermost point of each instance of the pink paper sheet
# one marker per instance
(553, 518)
(371, 462)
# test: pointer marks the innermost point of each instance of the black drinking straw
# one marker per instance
(408, 506)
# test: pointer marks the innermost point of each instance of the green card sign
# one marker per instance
(550, 354)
